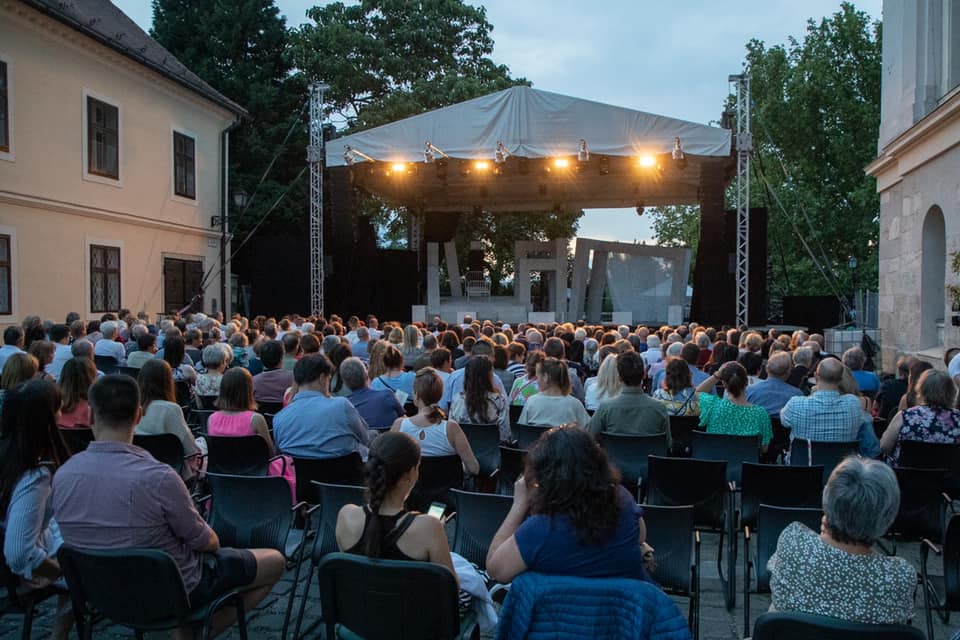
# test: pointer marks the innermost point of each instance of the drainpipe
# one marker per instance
(225, 211)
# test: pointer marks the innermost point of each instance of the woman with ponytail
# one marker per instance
(436, 435)
(383, 528)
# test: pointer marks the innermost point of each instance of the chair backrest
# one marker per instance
(515, 411)
(720, 446)
(164, 447)
(527, 434)
(238, 455)
(131, 587)
(250, 512)
(479, 515)
(485, 442)
(346, 469)
(133, 372)
(269, 407)
(512, 462)
(332, 498)
(184, 397)
(802, 626)
(438, 474)
(934, 455)
(410, 409)
(106, 364)
(804, 453)
(388, 599)
(684, 481)
(76, 439)
(208, 402)
(922, 512)
(670, 531)
(780, 441)
(951, 564)
(198, 420)
(628, 453)
(681, 430)
(778, 485)
(771, 521)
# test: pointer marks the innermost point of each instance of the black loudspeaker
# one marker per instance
(440, 227)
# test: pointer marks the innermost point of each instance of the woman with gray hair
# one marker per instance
(935, 417)
(216, 358)
(837, 573)
(379, 408)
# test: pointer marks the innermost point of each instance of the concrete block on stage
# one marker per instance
(623, 317)
(461, 314)
(674, 314)
(546, 317)
(418, 313)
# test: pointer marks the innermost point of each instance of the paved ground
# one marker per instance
(716, 622)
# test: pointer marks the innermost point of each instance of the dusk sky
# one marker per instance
(666, 58)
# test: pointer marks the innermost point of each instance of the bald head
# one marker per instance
(830, 372)
(779, 365)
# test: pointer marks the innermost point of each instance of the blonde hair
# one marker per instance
(609, 383)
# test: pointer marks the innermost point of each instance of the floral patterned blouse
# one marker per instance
(683, 403)
(927, 424)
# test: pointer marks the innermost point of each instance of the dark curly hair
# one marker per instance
(573, 477)
(392, 455)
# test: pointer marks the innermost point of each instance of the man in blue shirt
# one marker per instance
(774, 392)
(314, 424)
(868, 382)
(378, 408)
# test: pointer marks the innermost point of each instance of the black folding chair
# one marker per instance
(239, 455)
(484, 440)
(780, 486)
(808, 453)
(671, 531)
(390, 599)
(184, 397)
(269, 407)
(332, 498)
(133, 372)
(703, 485)
(681, 434)
(934, 455)
(165, 448)
(208, 402)
(923, 505)
(20, 598)
(438, 474)
(479, 515)
(137, 588)
(512, 463)
(527, 434)
(780, 443)
(198, 420)
(76, 439)
(106, 364)
(515, 411)
(251, 512)
(942, 593)
(629, 454)
(802, 626)
(771, 521)
(735, 450)
(346, 469)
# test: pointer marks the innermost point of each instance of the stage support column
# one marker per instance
(453, 269)
(598, 282)
(560, 282)
(713, 289)
(433, 278)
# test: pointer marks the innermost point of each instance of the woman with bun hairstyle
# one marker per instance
(732, 414)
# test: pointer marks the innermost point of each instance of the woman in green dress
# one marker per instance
(732, 414)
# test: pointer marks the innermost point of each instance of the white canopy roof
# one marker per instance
(533, 124)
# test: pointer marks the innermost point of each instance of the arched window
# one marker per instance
(933, 274)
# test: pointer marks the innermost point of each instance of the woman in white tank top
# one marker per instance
(436, 435)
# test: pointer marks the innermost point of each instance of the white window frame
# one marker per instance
(88, 243)
(8, 59)
(196, 167)
(7, 230)
(92, 177)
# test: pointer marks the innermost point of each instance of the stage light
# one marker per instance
(678, 155)
(398, 167)
(584, 154)
(640, 209)
(647, 162)
(481, 165)
(427, 153)
(561, 163)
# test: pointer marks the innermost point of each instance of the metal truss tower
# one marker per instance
(315, 157)
(744, 149)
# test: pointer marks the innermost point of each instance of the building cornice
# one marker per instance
(48, 204)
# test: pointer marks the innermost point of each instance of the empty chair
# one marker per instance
(527, 434)
(942, 593)
(137, 588)
(681, 433)
(165, 448)
(20, 598)
(512, 462)
(438, 474)
(629, 455)
(771, 522)
(346, 469)
(239, 455)
(806, 453)
(106, 364)
(934, 455)
(479, 515)
(734, 449)
(780, 486)
(390, 599)
(76, 439)
(672, 533)
(485, 442)
(923, 505)
(799, 626)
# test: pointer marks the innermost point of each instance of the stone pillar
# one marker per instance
(578, 293)
(560, 277)
(433, 278)
(453, 269)
(598, 282)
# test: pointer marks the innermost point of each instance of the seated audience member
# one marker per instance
(239, 346)
(689, 353)
(383, 528)
(467, 348)
(115, 495)
(33, 453)
(517, 356)
(501, 362)
(361, 348)
(395, 379)
(553, 405)
(43, 351)
(605, 385)
(848, 386)
(802, 369)
(917, 367)
(378, 409)
(429, 346)
(752, 362)
(935, 417)
(291, 350)
(632, 412)
(94, 335)
(891, 391)
(570, 516)
(676, 391)
(655, 372)
(237, 415)
(12, 343)
(837, 572)
(653, 354)
(723, 352)
(309, 344)
(160, 411)
(60, 337)
(442, 362)
(216, 360)
(270, 384)
(436, 435)
(479, 402)
(315, 424)
(108, 346)
(867, 381)
(829, 416)
(410, 347)
(146, 350)
(338, 355)
(556, 348)
(76, 378)
(774, 392)
(527, 386)
(193, 345)
(732, 414)
(18, 368)
(175, 355)
(453, 385)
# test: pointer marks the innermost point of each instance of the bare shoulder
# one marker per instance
(426, 526)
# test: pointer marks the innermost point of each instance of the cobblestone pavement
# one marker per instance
(716, 622)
